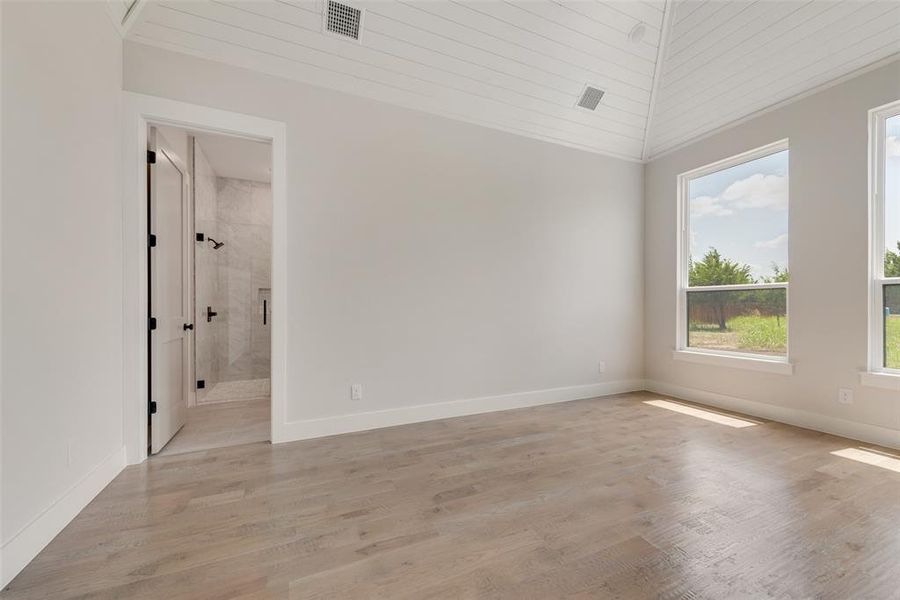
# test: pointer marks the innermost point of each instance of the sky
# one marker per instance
(892, 184)
(742, 212)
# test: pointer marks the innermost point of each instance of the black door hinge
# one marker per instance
(151, 240)
(201, 383)
(151, 157)
(152, 407)
(151, 324)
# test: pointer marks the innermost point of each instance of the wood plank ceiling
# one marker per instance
(521, 66)
(727, 60)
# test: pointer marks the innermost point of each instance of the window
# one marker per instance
(885, 186)
(733, 257)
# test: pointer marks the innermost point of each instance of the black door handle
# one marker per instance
(210, 314)
(188, 326)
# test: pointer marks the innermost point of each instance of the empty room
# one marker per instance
(450, 299)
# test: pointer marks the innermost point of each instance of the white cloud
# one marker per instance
(702, 206)
(775, 242)
(756, 191)
(892, 147)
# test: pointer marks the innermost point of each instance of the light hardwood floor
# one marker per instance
(606, 498)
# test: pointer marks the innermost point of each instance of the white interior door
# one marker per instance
(169, 292)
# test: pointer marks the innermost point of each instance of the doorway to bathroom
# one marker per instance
(217, 391)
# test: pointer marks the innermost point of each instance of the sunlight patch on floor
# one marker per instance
(701, 414)
(870, 457)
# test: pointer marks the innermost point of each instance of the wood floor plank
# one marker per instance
(604, 498)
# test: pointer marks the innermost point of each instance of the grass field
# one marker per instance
(892, 342)
(748, 333)
(768, 335)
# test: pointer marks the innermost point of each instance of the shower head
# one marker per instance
(216, 245)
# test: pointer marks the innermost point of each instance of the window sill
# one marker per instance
(879, 379)
(750, 363)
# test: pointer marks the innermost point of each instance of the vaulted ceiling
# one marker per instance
(671, 71)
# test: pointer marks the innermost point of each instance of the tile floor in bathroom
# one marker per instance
(232, 421)
(230, 391)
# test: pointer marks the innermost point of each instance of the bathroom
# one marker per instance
(230, 182)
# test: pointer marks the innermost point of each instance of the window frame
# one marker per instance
(878, 117)
(749, 360)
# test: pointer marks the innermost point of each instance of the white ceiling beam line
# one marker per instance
(124, 16)
(658, 70)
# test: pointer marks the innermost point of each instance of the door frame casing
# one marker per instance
(139, 112)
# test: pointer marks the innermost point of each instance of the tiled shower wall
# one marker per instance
(245, 278)
(234, 280)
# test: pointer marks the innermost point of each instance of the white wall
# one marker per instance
(62, 270)
(431, 260)
(828, 262)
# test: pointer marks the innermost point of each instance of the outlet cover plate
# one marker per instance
(845, 396)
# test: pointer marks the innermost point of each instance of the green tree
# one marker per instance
(892, 262)
(774, 301)
(778, 275)
(714, 269)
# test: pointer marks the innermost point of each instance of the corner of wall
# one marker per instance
(22, 547)
(644, 166)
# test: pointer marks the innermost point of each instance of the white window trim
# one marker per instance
(881, 380)
(736, 360)
(877, 374)
(741, 360)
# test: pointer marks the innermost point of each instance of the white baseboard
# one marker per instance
(20, 549)
(313, 428)
(863, 432)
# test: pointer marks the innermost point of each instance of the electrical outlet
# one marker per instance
(356, 392)
(845, 396)
(601, 367)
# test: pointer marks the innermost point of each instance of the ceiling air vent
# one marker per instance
(590, 98)
(343, 20)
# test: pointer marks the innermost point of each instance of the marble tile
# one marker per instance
(242, 389)
(235, 200)
(236, 345)
(219, 425)
(260, 335)
(239, 301)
